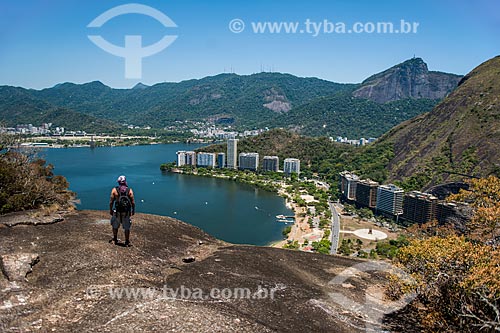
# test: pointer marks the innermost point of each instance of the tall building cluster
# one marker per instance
(232, 160)
(391, 201)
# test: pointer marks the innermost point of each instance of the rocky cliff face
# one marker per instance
(68, 276)
(461, 134)
(410, 79)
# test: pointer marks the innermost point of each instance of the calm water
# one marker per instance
(234, 212)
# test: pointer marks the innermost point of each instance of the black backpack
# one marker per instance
(123, 204)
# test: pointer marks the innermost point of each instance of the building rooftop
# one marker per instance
(348, 175)
(391, 187)
(421, 195)
(368, 182)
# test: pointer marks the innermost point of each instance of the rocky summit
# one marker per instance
(409, 79)
(61, 274)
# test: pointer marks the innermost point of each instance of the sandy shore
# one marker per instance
(300, 228)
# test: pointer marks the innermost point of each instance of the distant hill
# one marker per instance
(140, 85)
(245, 101)
(344, 115)
(248, 100)
(19, 106)
(410, 79)
(310, 106)
(93, 98)
(461, 134)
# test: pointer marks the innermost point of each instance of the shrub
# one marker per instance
(457, 274)
(27, 183)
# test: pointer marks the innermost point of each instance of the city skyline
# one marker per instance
(245, 161)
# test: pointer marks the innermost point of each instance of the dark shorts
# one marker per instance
(121, 218)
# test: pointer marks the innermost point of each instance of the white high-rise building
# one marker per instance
(181, 157)
(232, 153)
(206, 160)
(249, 161)
(291, 165)
(390, 199)
(186, 157)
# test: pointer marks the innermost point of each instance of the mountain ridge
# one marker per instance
(244, 101)
(18, 106)
(462, 132)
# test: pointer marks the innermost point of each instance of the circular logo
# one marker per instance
(236, 26)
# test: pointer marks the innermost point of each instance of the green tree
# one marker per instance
(292, 245)
(323, 246)
(365, 213)
(286, 230)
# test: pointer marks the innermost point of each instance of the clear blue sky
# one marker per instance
(44, 42)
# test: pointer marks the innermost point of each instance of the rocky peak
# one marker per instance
(140, 86)
(409, 79)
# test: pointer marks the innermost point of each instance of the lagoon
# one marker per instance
(231, 211)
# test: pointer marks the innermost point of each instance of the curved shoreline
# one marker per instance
(289, 204)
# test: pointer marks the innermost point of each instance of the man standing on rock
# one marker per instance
(121, 208)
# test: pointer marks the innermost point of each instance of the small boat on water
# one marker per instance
(284, 217)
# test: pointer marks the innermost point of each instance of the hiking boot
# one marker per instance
(114, 241)
(127, 244)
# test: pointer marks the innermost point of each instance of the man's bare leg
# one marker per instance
(127, 236)
(115, 235)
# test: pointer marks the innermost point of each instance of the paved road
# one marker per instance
(335, 234)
